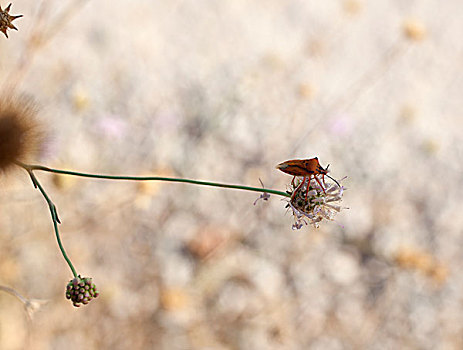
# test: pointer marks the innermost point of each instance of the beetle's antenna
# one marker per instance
(337, 183)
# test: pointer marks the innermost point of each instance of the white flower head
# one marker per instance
(311, 203)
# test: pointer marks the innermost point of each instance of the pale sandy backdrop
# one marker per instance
(225, 90)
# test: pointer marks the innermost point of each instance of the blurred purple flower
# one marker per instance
(167, 120)
(112, 126)
(341, 125)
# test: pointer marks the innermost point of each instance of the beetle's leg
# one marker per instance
(307, 189)
(323, 179)
(292, 181)
(323, 188)
(297, 189)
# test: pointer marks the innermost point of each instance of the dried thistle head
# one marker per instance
(6, 19)
(21, 136)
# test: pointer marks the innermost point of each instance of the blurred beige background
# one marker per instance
(224, 91)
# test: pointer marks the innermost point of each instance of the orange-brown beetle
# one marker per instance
(305, 168)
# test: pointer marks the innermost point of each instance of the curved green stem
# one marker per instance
(54, 216)
(152, 178)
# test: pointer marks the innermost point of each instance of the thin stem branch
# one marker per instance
(54, 216)
(30, 305)
(151, 178)
(13, 293)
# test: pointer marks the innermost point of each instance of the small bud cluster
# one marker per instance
(315, 204)
(81, 290)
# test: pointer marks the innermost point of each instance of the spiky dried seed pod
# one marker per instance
(21, 136)
(81, 290)
(6, 19)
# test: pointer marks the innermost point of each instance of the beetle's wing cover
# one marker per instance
(295, 167)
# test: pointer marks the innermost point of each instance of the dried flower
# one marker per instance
(81, 290)
(316, 204)
(30, 305)
(6, 19)
(264, 196)
(21, 136)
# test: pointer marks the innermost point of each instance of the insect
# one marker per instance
(305, 168)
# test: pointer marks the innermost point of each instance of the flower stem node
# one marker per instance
(313, 204)
(81, 290)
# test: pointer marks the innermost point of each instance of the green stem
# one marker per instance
(54, 216)
(151, 178)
